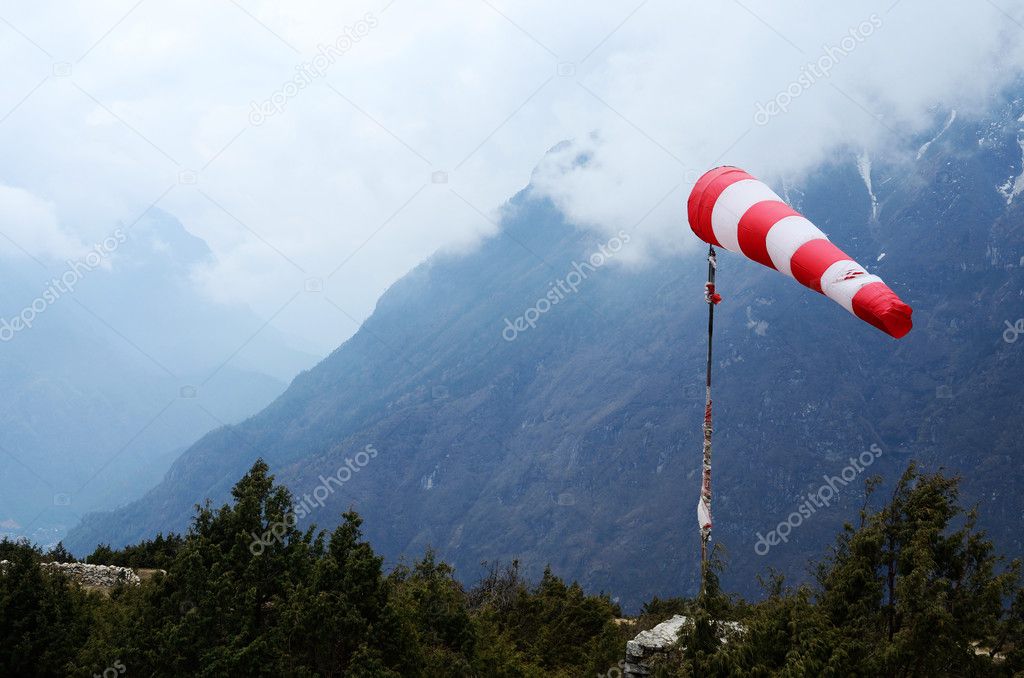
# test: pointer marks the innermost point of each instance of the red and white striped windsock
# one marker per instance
(731, 209)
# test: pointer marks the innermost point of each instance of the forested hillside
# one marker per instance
(910, 588)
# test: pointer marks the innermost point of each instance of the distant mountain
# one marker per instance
(106, 388)
(577, 442)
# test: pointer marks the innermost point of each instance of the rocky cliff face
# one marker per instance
(574, 437)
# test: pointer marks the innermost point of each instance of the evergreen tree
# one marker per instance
(434, 602)
(339, 620)
(43, 620)
(215, 612)
(914, 590)
(59, 554)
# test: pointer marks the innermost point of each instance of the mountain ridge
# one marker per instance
(106, 378)
(577, 443)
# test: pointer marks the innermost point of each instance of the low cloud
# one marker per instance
(691, 93)
(116, 108)
(28, 225)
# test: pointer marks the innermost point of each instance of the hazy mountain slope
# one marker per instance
(578, 443)
(106, 388)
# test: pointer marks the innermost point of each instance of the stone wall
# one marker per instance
(92, 575)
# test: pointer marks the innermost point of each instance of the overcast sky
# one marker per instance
(110, 106)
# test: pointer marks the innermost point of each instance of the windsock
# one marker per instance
(733, 210)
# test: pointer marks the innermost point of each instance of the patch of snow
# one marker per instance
(924, 149)
(992, 254)
(864, 168)
(792, 196)
(760, 327)
(729, 361)
(1014, 186)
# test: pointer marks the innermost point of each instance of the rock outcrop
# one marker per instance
(652, 646)
(649, 645)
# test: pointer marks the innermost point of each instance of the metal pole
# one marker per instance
(704, 507)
